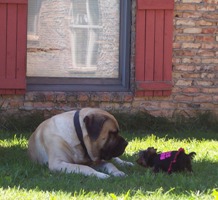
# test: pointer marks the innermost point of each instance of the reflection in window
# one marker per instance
(33, 17)
(85, 29)
(75, 38)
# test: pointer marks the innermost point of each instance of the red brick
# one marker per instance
(207, 46)
(105, 97)
(185, 22)
(191, 60)
(28, 105)
(166, 105)
(191, 75)
(202, 98)
(207, 106)
(95, 97)
(177, 45)
(204, 23)
(185, 38)
(205, 38)
(82, 97)
(212, 1)
(211, 15)
(206, 53)
(192, 14)
(210, 90)
(192, 30)
(29, 96)
(186, 68)
(49, 96)
(192, 1)
(128, 98)
(61, 96)
(204, 83)
(210, 60)
(205, 7)
(209, 30)
(183, 98)
(215, 99)
(185, 7)
(16, 104)
(208, 75)
(191, 45)
(162, 113)
(43, 105)
(191, 90)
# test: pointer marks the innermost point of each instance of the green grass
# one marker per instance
(21, 179)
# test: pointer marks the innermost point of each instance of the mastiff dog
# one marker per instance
(80, 141)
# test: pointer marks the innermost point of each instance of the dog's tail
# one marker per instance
(192, 155)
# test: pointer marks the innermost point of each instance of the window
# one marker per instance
(93, 46)
(78, 45)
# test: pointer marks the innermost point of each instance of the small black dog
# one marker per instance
(172, 161)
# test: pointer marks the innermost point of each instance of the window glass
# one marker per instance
(73, 38)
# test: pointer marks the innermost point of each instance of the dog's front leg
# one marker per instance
(76, 168)
(110, 169)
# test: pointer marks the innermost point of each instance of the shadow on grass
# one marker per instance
(18, 171)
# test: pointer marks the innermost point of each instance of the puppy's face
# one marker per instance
(145, 156)
(104, 132)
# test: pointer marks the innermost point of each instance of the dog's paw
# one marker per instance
(119, 174)
(102, 175)
(128, 163)
(122, 162)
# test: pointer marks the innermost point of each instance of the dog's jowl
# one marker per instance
(79, 142)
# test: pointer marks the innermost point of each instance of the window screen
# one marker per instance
(73, 38)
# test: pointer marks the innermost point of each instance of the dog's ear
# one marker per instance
(192, 155)
(94, 124)
(151, 150)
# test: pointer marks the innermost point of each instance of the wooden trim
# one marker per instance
(154, 37)
(13, 31)
(154, 85)
(13, 1)
(155, 4)
(11, 62)
(3, 43)
(12, 83)
(168, 46)
(140, 50)
(21, 43)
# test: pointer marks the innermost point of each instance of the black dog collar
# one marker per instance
(79, 130)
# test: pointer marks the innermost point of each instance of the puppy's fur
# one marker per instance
(172, 161)
(55, 142)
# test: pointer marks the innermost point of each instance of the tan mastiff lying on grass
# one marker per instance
(79, 142)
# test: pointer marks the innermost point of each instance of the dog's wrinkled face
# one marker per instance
(115, 146)
(104, 133)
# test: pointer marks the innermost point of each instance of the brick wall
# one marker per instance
(195, 62)
(195, 72)
(195, 55)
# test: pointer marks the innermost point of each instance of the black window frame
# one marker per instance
(122, 83)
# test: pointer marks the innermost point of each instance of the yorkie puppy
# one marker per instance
(171, 161)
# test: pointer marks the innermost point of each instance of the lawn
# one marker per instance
(21, 179)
